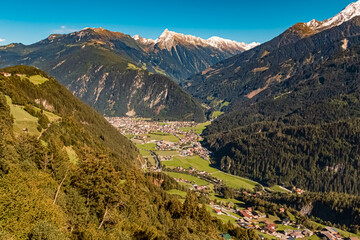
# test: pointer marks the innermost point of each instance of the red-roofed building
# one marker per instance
(218, 211)
(246, 214)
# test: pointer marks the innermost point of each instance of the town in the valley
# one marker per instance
(174, 147)
(142, 131)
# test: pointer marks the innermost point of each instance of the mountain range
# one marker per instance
(119, 75)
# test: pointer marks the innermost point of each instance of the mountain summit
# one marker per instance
(351, 11)
(169, 39)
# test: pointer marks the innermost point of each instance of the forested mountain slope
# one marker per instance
(294, 112)
(307, 137)
(269, 69)
(65, 173)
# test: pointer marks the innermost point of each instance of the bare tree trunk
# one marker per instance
(59, 187)
(103, 220)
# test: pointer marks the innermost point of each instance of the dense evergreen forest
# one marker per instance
(70, 175)
(306, 137)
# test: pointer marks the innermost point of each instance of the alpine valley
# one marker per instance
(104, 135)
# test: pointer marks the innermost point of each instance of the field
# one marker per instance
(177, 192)
(22, 119)
(166, 153)
(224, 201)
(144, 153)
(198, 129)
(162, 136)
(216, 114)
(235, 181)
(51, 116)
(203, 165)
(37, 79)
(146, 146)
(150, 160)
(190, 178)
(291, 216)
(72, 155)
(283, 227)
(190, 161)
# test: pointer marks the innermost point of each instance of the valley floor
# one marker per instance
(175, 148)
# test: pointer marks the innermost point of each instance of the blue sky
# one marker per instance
(251, 20)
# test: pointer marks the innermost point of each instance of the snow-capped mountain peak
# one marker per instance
(351, 11)
(169, 39)
(226, 43)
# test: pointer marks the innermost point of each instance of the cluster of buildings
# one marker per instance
(330, 234)
(139, 126)
(165, 158)
(250, 214)
(195, 149)
(188, 144)
(294, 234)
(182, 180)
(166, 146)
(198, 188)
(270, 228)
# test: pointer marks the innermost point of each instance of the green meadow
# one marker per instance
(22, 119)
(158, 136)
(197, 129)
(190, 178)
(37, 79)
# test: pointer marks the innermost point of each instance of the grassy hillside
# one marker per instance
(65, 173)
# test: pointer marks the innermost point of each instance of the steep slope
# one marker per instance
(86, 63)
(74, 176)
(255, 73)
(294, 118)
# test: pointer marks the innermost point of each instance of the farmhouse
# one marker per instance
(218, 211)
